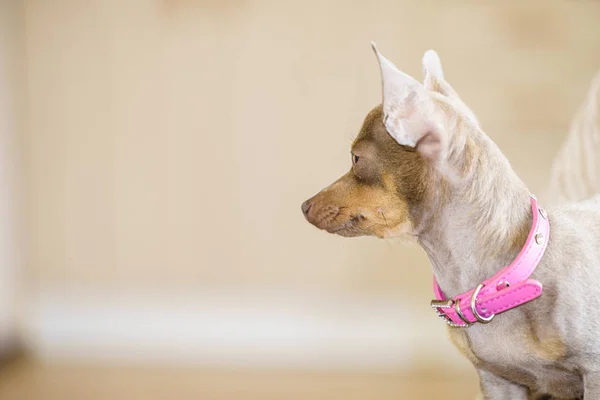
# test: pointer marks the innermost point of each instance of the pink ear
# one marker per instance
(411, 116)
(431, 145)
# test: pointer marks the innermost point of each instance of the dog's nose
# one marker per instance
(306, 207)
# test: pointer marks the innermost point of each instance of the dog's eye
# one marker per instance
(354, 159)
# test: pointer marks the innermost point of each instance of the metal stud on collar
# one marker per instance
(539, 238)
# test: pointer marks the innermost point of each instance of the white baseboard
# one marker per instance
(276, 331)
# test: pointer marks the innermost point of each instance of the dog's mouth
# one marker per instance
(347, 228)
(348, 221)
(338, 221)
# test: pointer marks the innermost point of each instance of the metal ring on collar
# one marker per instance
(460, 314)
(483, 320)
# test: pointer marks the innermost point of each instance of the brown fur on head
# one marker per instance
(388, 180)
(375, 196)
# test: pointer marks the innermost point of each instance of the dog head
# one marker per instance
(395, 157)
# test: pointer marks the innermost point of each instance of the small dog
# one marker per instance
(422, 168)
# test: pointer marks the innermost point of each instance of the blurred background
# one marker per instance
(153, 158)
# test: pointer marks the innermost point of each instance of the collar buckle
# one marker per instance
(438, 304)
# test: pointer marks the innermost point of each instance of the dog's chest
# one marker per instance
(520, 357)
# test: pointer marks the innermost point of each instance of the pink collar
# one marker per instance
(509, 288)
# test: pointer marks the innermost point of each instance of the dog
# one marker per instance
(423, 169)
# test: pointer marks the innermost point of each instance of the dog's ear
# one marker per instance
(409, 113)
(435, 82)
(434, 74)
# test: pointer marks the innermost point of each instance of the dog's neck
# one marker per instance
(477, 216)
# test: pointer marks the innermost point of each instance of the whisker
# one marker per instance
(384, 219)
(389, 242)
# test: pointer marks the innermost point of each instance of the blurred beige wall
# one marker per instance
(170, 143)
(11, 89)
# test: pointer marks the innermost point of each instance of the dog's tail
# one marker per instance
(575, 173)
